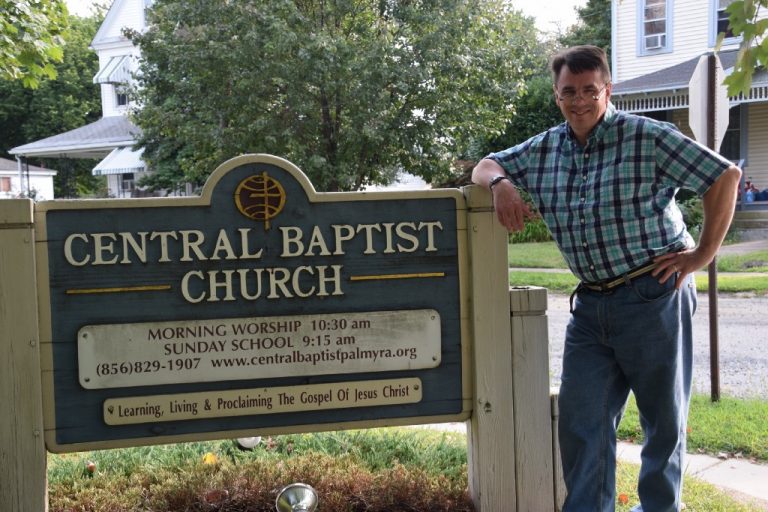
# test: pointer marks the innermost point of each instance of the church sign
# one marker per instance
(261, 306)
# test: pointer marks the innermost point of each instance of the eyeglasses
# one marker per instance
(589, 93)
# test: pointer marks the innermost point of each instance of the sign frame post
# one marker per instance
(511, 456)
(491, 450)
(23, 478)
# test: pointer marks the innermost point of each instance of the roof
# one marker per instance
(95, 140)
(112, 15)
(12, 166)
(678, 76)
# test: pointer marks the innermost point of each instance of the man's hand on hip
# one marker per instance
(681, 263)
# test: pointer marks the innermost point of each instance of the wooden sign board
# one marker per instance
(260, 307)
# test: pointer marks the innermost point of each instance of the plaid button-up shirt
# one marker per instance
(610, 204)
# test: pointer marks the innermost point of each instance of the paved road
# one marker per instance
(743, 327)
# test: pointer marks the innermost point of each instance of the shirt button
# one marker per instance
(582, 199)
(591, 267)
(582, 220)
(586, 156)
(584, 177)
(584, 244)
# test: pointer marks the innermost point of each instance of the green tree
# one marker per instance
(744, 21)
(31, 39)
(592, 27)
(535, 110)
(70, 101)
(350, 90)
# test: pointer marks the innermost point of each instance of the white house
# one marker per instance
(17, 180)
(656, 45)
(112, 137)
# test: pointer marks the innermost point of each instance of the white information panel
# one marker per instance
(146, 354)
(246, 402)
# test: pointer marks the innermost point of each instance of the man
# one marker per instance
(605, 183)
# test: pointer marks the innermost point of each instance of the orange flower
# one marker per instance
(623, 499)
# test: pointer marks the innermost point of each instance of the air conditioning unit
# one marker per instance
(655, 42)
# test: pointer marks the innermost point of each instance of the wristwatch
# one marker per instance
(495, 181)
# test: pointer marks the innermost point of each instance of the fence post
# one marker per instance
(23, 481)
(530, 391)
(491, 443)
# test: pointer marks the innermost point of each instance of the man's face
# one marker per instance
(574, 95)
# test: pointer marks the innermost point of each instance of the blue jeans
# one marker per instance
(636, 338)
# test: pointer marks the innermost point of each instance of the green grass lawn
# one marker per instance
(545, 255)
(753, 262)
(730, 426)
(535, 255)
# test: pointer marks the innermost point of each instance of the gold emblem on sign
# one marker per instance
(260, 197)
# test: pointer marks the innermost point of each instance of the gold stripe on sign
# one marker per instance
(87, 291)
(397, 276)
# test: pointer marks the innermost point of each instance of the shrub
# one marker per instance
(535, 229)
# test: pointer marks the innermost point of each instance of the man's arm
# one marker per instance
(719, 203)
(511, 209)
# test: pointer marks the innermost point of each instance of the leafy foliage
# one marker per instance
(351, 91)
(535, 110)
(593, 26)
(744, 20)
(353, 471)
(31, 39)
(55, 106)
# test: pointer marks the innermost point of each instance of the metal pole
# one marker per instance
(714, 350)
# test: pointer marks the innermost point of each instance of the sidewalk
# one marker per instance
(744, 247)
(740, 478)
(745, 481)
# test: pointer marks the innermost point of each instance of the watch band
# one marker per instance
(495, 181)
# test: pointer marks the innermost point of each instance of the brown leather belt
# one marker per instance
(610, 284)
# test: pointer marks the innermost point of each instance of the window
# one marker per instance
(5, 184)
(127, 183)
(722, 17)
(121, 96)
(719, 22)
(654, 26)
(731, 145)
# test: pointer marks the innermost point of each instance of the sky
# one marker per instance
(550, 14)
